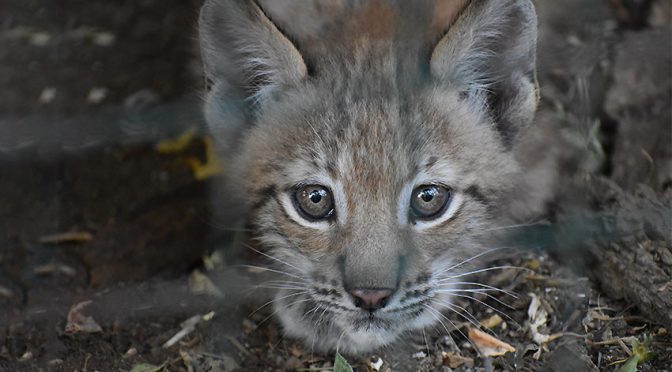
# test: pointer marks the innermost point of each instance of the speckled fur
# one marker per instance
(370, 106)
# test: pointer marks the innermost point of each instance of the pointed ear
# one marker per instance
(489, 54)
(243, 49)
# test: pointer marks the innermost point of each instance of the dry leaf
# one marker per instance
(488, 345)
(453, 360)
(537, 317)
(177, 145)
(200, 283)
(80, 323)
(492, 321)
(55, 268)
(375, 366)
(296, 351)
(6, 292)
(67, 237)
(207, 169)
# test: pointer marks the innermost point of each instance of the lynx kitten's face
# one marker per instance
(372, 159)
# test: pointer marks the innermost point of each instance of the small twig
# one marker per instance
(188, 326)
(556, 336)
(624, 347)
(610, 342)
(238, 345)
(86, 362)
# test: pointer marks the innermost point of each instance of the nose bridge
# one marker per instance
(373, 254)
(374, 244)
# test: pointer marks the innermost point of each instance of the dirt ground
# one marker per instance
(109, 245)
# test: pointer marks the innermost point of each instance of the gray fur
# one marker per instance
(382, 108)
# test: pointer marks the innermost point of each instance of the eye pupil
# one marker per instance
(315, 196)
(427, 195)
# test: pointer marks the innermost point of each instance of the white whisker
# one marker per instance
(529, 224)
(490, 307)
(438, 319)
(276, 311)
(315, 308)
(509, 293)
(453, 324)
(271, 257)
(471, 259)
(338, 343)
(277, 299)
(320, 320)
(478, 291)
(280, 287)
(452, 307)
(283, 284)
(270, 270)
(481, 271)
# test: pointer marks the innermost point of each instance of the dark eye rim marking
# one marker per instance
(475, 193)
(264, 196)
(328, 216)
(415, 216)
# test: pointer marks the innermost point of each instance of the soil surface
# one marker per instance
(109, 247)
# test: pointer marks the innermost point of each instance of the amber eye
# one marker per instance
(429, 201)
(314, 202)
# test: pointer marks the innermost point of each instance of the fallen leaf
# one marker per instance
(200, 283)
(55, 268)
(537, 317)
(67, 237)
(419, 355)
(488, 345)
(533, 264)
(492, 321)
(130, 353)
(80, 323)
(145, 367)
(453, 360)
(296, 351)
(207, 169)
(375, 366)
(173, 146)
(6, 292)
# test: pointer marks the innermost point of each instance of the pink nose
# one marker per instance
(370, 299)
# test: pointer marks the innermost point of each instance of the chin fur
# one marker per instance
(350, 331)
(335, 333)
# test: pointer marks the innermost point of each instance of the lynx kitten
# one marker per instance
(373, 145)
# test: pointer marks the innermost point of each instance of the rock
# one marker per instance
(571, 357)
